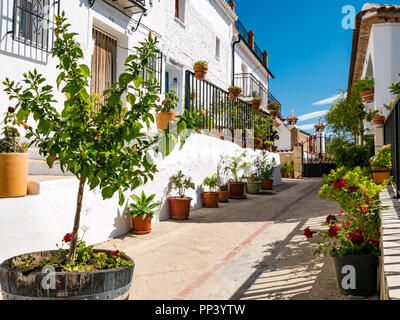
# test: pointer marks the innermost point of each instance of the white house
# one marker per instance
(188, 31)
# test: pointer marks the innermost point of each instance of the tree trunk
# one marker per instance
(74, 240)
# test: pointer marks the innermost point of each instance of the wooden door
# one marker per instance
(103, 62)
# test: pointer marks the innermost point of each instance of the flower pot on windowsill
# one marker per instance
(253, 187)
(164, 118)
(363, 267)
(267, 184)
(368, 95)
(13, 174)
(379, 120)
(256, 104)
(179, 208)
(236, 190)
(82, 285)
(200, 71)
(210, 199)
(140, 225)
(381, 174)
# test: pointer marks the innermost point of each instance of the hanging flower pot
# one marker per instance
(234, 92)
(273, 109)
(200, 70)
(379, 119)
(256, 103)
(380, 174)
(368, 95)
(164, 118)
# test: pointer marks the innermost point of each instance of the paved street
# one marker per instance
(251, 249)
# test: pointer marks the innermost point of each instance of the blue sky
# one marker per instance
(309, 51)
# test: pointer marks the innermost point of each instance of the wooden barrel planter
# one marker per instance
(110, 284)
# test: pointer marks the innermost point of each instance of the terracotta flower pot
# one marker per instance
(273, 113)
(141, 226)
(210, 199)
(267, 184)
(200, 71)
(223, 196)
(163, 119)
(232, 95)
(256, 104)
(291, 175)
(253, 187)
(257, 143)
(236, 190)
(367, 95)
(380, 174)
(179, 208)
(13, 174)
(379, 119)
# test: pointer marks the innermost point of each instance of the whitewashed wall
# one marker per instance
(382, 60)
(284, 141)
(39, 222)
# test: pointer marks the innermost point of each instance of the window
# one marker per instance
(217, 48)
(32, 21)
(180, 10)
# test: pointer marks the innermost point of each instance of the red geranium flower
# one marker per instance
(330, 218)
(340, 184)
(333, 231)
(356, 237)
(353, 189)
(115, 253)
(308, 233)
(67, 237)
(163, 102)
(11, 109)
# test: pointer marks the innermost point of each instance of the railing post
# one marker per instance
(187, 90)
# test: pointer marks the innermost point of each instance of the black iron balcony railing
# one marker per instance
(251, 87)
(243, 32)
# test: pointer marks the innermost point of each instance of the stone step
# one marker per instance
(40, 167)
(34, 154)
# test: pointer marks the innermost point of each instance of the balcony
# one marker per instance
(130, 6)
(252, 88)
(254, 48)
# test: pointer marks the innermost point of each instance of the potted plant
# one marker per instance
(100, 149)
(256, 103)
(223, 192)
(193, 120)
(210, 198)
(290, 170)
(232, 166)
(14, 159)
(142, 212)
(265, 168)
(381, 164)
(200, 69)
(164, 115)
(273, 109)
(180, 205)
(366, 89)
(353, 236)
(234, 92)
(253, 184)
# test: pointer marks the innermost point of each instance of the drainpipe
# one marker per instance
(233, 58)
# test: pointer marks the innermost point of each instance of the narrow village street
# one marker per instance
(254, 249)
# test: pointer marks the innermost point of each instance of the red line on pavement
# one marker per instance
(204, 277)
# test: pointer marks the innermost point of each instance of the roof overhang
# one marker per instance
(371, 14)
(226, 9)
(130, 6)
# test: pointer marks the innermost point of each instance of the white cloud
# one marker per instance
(330, 100)
(313, 115)
(306, 127)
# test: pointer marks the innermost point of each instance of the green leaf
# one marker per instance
(107, 192)
(50, 161)
(121, 197)
(138, 82)
(114, 100)
(85, 70)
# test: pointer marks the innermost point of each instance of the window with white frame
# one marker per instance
(33, 20)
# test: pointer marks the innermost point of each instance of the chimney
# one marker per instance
(265, 58)
(251, 39)
(294, 137)
(232, 5)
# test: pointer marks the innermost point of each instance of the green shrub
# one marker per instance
(383, 159)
